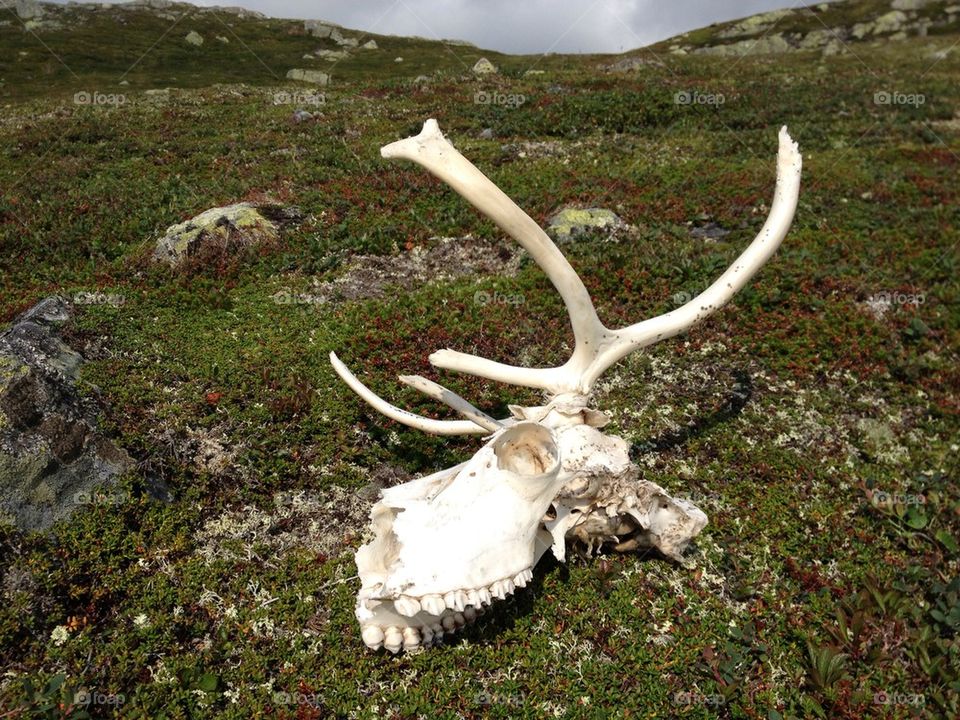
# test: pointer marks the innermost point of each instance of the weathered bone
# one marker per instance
(449, 543)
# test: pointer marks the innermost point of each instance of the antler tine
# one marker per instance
(648, 332)
(434, 152)
(428, 425)
(451, 399)
(597, 347)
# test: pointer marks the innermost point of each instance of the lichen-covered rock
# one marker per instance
(311, 76)
(755, 24)
(765, 45)
(886, 24)
(51, 453)
(226, 229)
(370, 45)
(909, 4)
(570, 222)
(484, 67)
(194, 38)
(330, 54)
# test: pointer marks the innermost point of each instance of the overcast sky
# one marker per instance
(522, 26)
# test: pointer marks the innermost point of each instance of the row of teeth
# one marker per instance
(452, 611)
(394, 638)
(459, 600)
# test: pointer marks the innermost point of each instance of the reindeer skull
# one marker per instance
(447, 544)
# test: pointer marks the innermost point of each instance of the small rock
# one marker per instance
(224, 229)
(339, 39)
(330, 54)
(311, 76)
(223, 39)
(486, 134)
(370, 45)
(484, 67)
(194, 38)
(398, 59)
(300, 116)
(711, 232)
(570, 222)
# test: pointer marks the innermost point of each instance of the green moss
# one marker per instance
(764, 415)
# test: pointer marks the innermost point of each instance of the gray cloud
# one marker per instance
(525, 27)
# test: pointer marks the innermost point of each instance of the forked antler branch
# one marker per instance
(596, 346)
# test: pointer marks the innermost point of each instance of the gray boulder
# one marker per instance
(194, 38)
(25, 9)
(764, 45)
(52, 455)
(484, 67)
(310, 76)
(318, 28)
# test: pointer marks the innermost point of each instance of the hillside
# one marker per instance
(184, 479)
(144, 45)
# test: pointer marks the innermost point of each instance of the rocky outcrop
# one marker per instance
(766, 44)
(783, 31)
(52, 455)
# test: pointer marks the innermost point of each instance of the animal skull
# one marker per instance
(447, 544)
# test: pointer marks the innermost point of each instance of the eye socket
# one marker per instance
(527, 449)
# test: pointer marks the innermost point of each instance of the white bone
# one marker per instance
(428, 425)
(596, 346)
(450, 398)
(446, 544)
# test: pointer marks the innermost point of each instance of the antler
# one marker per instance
(596, 346)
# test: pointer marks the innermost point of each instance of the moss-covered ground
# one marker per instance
(814, 419)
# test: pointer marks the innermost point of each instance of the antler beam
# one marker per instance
(597, 347)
